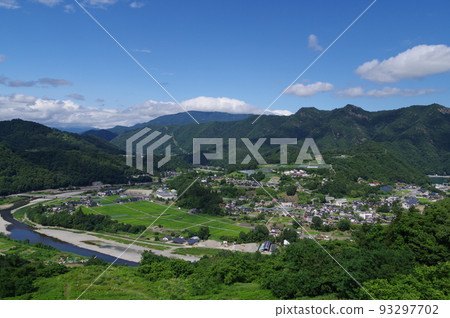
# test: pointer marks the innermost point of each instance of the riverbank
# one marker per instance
(3, 223)
(3, 226)
(112, 248)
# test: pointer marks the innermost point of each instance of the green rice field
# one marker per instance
(170, 218)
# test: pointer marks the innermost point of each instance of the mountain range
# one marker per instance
(417, 135)
(385, 145)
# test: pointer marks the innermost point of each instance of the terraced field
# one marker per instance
(171, 218)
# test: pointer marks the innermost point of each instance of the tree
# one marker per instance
(344, 225)
(291, 190)
(203, 232)
(258, 176)
(316, 222)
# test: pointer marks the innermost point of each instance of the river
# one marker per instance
(21, 232)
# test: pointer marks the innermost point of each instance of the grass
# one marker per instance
(20, 214)
(10, 200)
(30, 252)
(115, 210)
(423, 200)
(145, 213)
(121, 282)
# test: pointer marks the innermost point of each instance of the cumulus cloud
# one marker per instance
(385, 92)
(9, 4)
(67, 113)
(49, 3)
(313, 43)
(2, 58)
(76, 96)
(419, 61)
(302, 90)
(136, 5)
(44, 82)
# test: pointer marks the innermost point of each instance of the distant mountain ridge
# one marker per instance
(172, 119)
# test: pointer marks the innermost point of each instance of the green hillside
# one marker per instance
(34, 156)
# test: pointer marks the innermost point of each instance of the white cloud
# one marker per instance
(302, 90)
(143, 51)
(100, 3)
(419, 61)
(352, 92)
(220, 104)
(313, 43)
(9, 4)
(67, 113)
(391, 91)
(2, 58)
(136, 5)
(49, 3)
(69, 8)
(385, 92)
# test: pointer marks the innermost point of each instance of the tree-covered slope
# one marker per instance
(34, 156)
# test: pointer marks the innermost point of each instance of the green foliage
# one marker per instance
(17, 275)
(344, 225)
(95, 261)
(258, 176)
(290, 189)
(259, 234)
(196, 196)
(203, 232)
(229, 190)
(316, 223)
(33, 157)
(425, 282)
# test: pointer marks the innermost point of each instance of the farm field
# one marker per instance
(147, 213)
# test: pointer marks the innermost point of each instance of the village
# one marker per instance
(319, 219)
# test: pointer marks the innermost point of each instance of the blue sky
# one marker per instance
(59, 68)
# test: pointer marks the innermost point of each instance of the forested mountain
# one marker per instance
(417, 135)
(33, 156)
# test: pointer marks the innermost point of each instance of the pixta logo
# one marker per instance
(253, 148)
(146, 140)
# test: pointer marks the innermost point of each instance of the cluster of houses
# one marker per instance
(334, 209)
(181, 240)
(295, 173)
(107, 193)
(72, 205)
